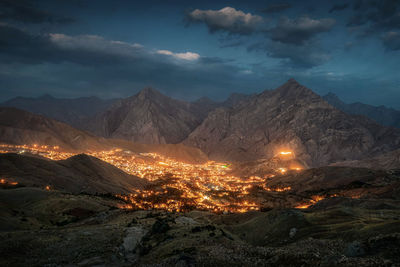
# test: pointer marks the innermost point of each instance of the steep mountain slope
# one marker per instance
(150, 117)
(383, 115)
(21, 127)
(80, 173)
(291, 117)
(18, 127)
(71, 111)
(202, 106)
(147, 117)
(236, 98)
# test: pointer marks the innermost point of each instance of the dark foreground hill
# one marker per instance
(41, 227)
(77, 174)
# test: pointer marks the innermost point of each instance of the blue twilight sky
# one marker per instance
(189, 49)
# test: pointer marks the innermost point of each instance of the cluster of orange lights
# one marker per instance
(4, 181)
(314, 200)
(175, 185)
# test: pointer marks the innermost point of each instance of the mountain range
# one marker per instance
(242, 128)
(148, 117)
(72, 111)
(381, 114)
(19, 127)
(79, 111)
(291, 117)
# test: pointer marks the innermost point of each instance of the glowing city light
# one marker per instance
(174, 185)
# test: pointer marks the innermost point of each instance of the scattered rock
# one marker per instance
(292, 232)
(160, 226)
(133, 237)
(197, 229)
(185, 220)
(91, 261)
(354, 249)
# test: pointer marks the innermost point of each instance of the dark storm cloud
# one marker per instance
(276, 8)
(26, 12)
(20, 46)
(294, 56)
(298, 31)
(294, 41)
(215, 60)
(338, 7)
(232, 44)
(227, 20)
(392, 40)
(384, 14)
(89, 61)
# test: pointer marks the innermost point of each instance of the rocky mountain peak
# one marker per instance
(293, 87)
(150, 93)
(292, 80)
(148, 117)
(291, 93)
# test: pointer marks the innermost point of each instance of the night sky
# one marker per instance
(189, 49)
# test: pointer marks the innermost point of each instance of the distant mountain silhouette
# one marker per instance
(383, 115)
(23, 127)
(72, 111)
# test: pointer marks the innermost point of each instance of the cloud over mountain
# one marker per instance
(294, 56)
(299, 30)
(27, 12)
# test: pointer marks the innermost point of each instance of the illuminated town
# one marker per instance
(176, 186)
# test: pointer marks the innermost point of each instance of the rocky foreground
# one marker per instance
(52, 228)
